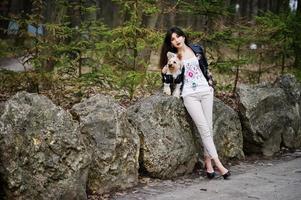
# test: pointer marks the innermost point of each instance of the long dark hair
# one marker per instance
(166, 46)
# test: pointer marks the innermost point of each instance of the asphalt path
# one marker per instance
(278, 179)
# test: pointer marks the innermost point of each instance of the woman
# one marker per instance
(196, 92)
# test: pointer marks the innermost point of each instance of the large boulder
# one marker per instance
(2, 106)
(270, 117)
(42, 155)
(113, 142)
(170, 142)
(227, 131)
(167, 140)
(292, 89)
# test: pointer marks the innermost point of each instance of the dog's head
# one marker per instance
(174, 63)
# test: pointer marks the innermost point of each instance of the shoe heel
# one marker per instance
(210, 175)
(227, 175)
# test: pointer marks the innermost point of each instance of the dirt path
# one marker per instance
(277, 179)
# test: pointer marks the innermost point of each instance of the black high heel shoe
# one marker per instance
(210, 175)
(226, 175)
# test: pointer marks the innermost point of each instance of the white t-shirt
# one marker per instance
(194, 80)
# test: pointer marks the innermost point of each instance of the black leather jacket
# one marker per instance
(199, 53)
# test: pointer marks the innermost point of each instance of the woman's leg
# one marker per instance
(220, 166)
(208, 164)
(207, 106)
(195, 109)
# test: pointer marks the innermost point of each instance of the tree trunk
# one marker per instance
(75, 12)
(4, 8)
(298, 37)
(237, 70)
(283, 6)
(254, 8)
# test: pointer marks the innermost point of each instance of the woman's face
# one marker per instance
(177, 41)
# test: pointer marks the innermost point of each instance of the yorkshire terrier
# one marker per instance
(173, 75)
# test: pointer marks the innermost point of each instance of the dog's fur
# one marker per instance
(173, 67)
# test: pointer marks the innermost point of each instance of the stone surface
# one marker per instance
(2, 106)
(227, 131)
(113, 142)
(42, 155)
(167, 140)
(270, 117)
(292, 89)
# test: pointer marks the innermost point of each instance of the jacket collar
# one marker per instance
(197, 49)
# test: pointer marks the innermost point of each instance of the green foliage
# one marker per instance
(222, 36)
(4, 44)
(60, 41)
(130, 84)
(228, 66)
(117, 58)
(297, 73)
(140, 83)
(276, 32)
(130, 81)
(208, 8)
(224, 88)
(136, 8)
(125, 46)
(12, 82)
(105, 77)
(152, 81)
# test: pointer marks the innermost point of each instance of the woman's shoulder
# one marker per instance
(197, 48)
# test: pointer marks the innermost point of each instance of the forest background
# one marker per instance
(72, 49)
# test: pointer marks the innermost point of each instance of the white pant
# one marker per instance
(199, 106)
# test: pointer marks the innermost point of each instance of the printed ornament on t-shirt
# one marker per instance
(192, 75)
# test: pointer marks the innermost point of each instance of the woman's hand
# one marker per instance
(164, 69)
(211, 81)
